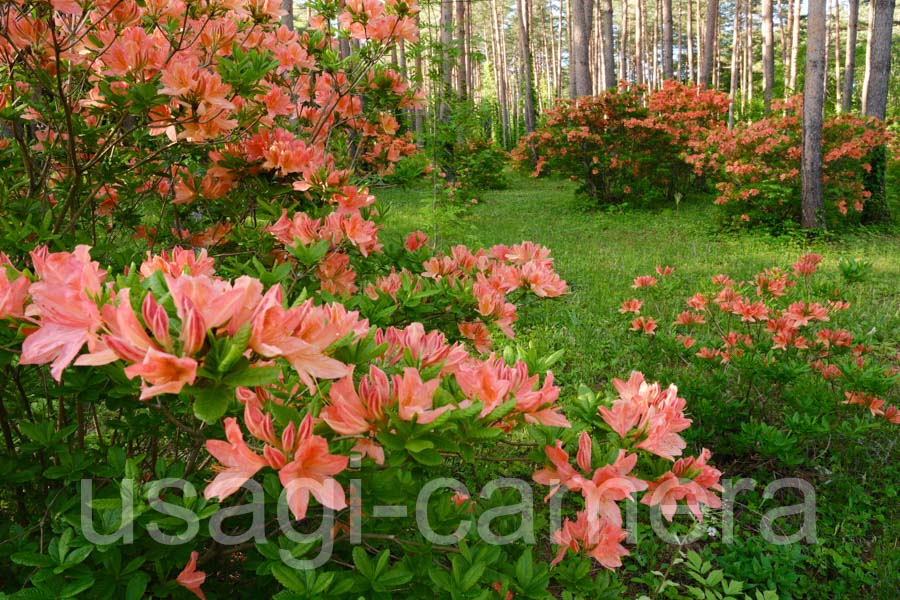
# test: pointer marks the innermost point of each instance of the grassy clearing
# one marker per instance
(599, 254)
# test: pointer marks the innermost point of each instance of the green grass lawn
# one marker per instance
(599, 253)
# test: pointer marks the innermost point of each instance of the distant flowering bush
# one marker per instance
(770, 327)
(756, 166)
(619, 146)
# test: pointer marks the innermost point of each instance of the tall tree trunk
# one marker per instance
(813, 107)
(623, 44)
(446, 39)
(287, 19)
(461, 69)
(691, 76)
(850, 56)
(837, 57)
(418, 115)
(782, 31)
(768, 53)
(502, 81)
(639, 42)
(606, 31)
(667, 39)
(709, 43)
(583, 17)
(874, 103)
(748, 53)
(795, 48)
(735, 49)
(524, 10)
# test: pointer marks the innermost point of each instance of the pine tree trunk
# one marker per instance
(446, 39)
(609, 57)
(287, 19)
(524, 14)
(639, 42)
(461, 75)
(874, 100)
(735, 49)
(850, 57)
(813, 106)
(623, 45)
(795, 48)
(582, 19)
(768, 56)
(709, 44)
(667, 39)
(691, 76)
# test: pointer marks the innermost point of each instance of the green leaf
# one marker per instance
(32, 559)
(253, 377)
(137, 586)
(288, 577)
(428, 457)
(212, 403)
(418, 445)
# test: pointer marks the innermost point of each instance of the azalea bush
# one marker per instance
(218, 376)
(621, 148)
(781, 344)
(756, 166)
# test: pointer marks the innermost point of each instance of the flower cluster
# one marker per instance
(768, 320)
(648, 420)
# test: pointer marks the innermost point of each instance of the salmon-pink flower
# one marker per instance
(191, 579)
(415, 398)
(310, 472)
(664, 271)
(644, 281)
(645, 324)
(807, 264)
(240, 462)
(690, 479)
(167, 374)
(12, 293)
(631, 306)
(64, 303)
(415, 240)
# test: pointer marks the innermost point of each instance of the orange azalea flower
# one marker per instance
(645, 324)
(807, 264)
(310, 472)
(801, 313)
(241, 463)
(644, 281)
(690, 318)
(191, 579)
(697, 301)
(690, 479)
(633, 306)
(664, 271)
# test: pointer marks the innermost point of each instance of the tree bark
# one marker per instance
(524, 11)
(768, 57)
(875, 93)
(606, 32)
(639, 42)
(446, 39)
(712, 20)
(795, 48)
(691, 75)
(583, 18)
(813, 107)
(287, 19)
(735, 48)
(850, 56)
(623, 43)
(667, 39)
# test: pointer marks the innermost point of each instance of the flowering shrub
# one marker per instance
(617, 147)
(757, 165)
(186, 423)
(767, 332)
